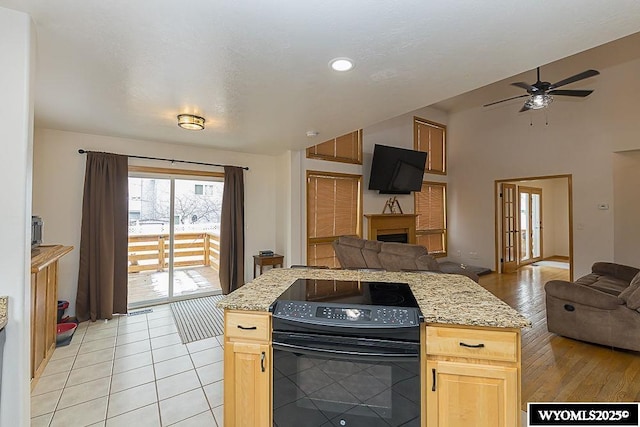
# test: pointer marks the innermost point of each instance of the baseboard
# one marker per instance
(556, 258)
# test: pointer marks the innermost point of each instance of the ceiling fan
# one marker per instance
(541, 93)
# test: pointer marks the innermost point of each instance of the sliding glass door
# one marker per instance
(174, 229)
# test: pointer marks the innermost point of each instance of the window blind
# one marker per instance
(430, 137)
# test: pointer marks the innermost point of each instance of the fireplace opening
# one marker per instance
(397, 238)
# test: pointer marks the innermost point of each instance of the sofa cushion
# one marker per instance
(607, 284)
(370, 252)
(619, 271)
(356, 242)
(427, 262)
(348, 251)
(400, 256)
(631, 295)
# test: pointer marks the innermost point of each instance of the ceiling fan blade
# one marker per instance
(524, 108)
(580, 76)
(569, 92)
(525, 86)
(504, 100)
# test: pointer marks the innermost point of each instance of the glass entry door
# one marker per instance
(509, 203)
(174, 229)
(530, 201)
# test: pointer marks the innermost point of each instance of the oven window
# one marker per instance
(315, 391)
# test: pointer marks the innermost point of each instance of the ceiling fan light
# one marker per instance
(190, 122)
(539, 101)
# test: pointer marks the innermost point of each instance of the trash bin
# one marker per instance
(62, 306)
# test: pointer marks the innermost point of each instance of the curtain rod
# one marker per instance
(81, 151)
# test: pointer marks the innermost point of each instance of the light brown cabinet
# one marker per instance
(471, 377)
(44, 305)
(247, 369)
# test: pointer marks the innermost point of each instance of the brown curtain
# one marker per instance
(232, 230)
(102, 278)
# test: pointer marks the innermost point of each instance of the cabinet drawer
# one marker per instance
(474, 343)
(247, 326)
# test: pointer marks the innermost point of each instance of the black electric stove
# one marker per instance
(346, 353)
(373, 309)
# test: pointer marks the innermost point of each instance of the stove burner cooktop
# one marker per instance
(351, 292)
(336, 303)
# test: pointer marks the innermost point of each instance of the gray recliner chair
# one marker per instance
(602, 307)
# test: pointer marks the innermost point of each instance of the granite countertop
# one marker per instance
(443, 298)
(4, 311)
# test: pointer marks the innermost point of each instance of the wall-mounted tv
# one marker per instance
(396, 170)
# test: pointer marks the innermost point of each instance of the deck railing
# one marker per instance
(150, 252)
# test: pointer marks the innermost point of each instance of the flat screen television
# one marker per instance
(396, 170)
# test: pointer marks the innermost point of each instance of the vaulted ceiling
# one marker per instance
(258, 70)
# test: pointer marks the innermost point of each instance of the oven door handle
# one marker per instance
(315, 351)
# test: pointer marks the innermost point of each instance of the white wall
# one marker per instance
(17, 47)
(396, 132)
(59, 179)
(499, 143)
(627, 207)
(488, 144)
(560, 218)
(289, 216)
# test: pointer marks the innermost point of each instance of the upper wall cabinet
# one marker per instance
(346, 149)
(431, 137)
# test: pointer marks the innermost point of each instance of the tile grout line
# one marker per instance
(153, 366)
(83, 341)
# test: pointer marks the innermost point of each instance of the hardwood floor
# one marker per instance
(558, 369)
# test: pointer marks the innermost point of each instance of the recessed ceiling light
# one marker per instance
(312, 133)
(341, 64)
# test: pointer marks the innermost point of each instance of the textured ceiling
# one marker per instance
(258, 70)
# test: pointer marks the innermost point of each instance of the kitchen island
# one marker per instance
(469, 343)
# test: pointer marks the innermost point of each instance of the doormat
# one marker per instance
(145, 311)
(198, 318)
(554, 264)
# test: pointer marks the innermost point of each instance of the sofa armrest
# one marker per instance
(582, 295)
(619, 271)
(427, 262)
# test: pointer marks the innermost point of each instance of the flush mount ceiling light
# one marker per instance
(538, 101)
(190, 122)
(341, 64)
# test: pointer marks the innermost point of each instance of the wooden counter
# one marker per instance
(470, 359)
(44, 305)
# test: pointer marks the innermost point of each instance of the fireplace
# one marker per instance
(389, 227)
(394, 237)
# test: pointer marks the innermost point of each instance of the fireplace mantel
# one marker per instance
(381, 224)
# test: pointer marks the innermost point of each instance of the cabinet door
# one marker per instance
(465, 394)
(39, 326)
(247, 384)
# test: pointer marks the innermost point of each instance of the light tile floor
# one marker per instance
(131, 370)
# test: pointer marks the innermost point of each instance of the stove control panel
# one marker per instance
(294, 310)
(342, 314)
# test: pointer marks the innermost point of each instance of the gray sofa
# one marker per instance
(356, 253)
(602, 307)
